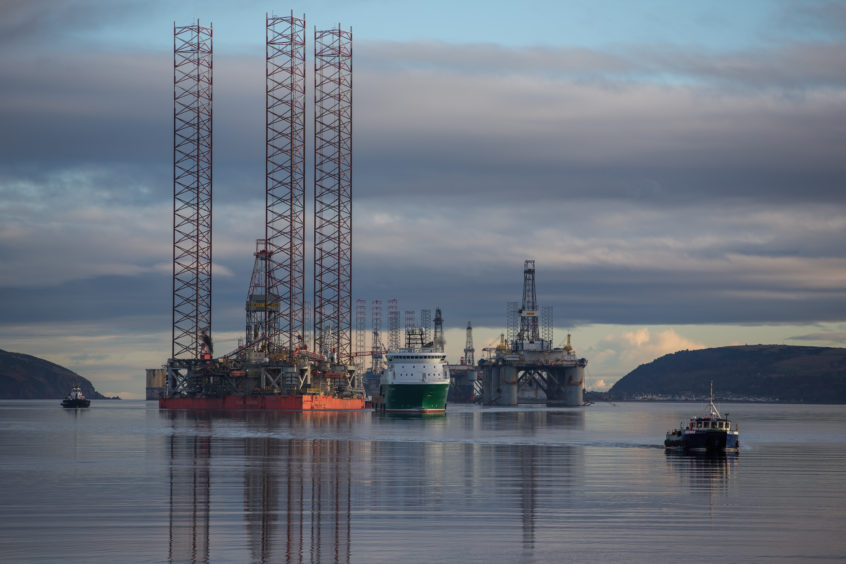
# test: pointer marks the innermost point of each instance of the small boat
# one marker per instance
(708, 433)
(76, 398)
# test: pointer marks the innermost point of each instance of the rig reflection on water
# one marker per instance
(305, 484)
(296, 493)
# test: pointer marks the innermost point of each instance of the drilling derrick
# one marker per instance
(465, 387)
(529, 312)
(469, 351)
(438, 338)
(257, 304)
(285, 183)
(333, 191)
(192, 191)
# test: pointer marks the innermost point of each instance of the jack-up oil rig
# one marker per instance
(526, 360)
(273, 368)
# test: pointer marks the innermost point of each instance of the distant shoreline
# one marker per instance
(595, 397)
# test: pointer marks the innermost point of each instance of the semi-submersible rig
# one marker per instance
(525, 360)
(273, 368)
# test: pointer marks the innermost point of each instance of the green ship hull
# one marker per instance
(415, 398)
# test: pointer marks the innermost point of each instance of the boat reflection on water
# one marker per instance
(710, 474)
(294, 493)
(399, 415)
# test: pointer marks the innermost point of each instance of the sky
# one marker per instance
(676, 170)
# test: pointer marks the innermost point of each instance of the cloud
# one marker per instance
(790, 66)
(473, 137)
(833, 337)
(818, 17)
(620, 352)
(28, 21)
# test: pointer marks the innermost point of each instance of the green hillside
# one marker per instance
(27, 377)
(777, 373)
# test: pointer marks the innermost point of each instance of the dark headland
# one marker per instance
(27, 377)
(767, 373)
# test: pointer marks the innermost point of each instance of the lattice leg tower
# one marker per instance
(426, 324)
(393, 324)
(361, 334)
(285, 182)
(547, 326)
(376, 346)
(333, 192)
(410, 319)
(192, 193)
(512, 322)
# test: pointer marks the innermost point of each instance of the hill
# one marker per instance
(27, 377)
(777, 373)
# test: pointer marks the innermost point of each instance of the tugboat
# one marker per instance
(75, 398)
(709, 433)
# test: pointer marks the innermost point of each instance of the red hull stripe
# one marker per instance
(271, 402)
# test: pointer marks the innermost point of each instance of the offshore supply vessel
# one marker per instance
(416, 379)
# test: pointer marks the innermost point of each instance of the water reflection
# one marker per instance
(529, 422)
(297, 500)
(189, 497)
(528, 494)
(295, 493)
(269, 487)
(708, 474)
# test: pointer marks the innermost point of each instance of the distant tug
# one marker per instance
(708, 433)
(76, 398)
(416, 379)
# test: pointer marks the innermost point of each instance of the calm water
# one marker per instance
(125, 482)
